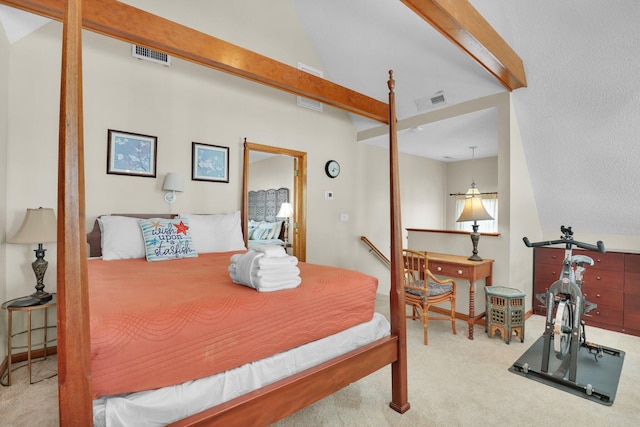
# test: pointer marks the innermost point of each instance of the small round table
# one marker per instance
(18, 304)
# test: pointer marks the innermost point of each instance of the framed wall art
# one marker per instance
(131, 154)
(209, 163)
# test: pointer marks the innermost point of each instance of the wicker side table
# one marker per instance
(505, 312)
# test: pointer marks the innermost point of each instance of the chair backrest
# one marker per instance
(415, 267)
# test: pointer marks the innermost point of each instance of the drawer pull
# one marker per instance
(439, 268)
(459, 271)
(598, 278)
(598, 296)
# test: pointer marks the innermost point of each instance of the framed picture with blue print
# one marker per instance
(131, 154)
(209, 163)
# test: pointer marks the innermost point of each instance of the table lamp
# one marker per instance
(474, 210)
(286, 212)
(39, 226)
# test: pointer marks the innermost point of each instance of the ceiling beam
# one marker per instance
(121, 21)
(461, 23)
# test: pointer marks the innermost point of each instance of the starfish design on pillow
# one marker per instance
(155, 224)
(181, 228)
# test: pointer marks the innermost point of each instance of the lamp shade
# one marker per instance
(286, 210)
(473, 210)
(173, 181)
(39, 226)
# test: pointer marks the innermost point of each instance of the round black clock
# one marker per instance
(332, 168)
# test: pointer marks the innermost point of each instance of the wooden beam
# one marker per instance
(121, 21)
(461, 23)
(74, 357)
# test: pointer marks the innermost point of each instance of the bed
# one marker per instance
(182, 327)
(287, 395)
(264, 227)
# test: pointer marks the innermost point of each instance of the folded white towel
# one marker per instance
(270, 251)
(277, 284)
(267, 262)
(289, 270)
(279, 273)
(244, 266)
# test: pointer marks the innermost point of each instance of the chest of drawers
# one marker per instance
(613, 283)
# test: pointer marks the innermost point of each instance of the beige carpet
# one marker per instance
(452, 382)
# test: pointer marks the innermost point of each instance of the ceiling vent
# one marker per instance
(147, 54)
(430, 102)
(306, 102)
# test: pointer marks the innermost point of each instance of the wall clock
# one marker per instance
(332, 168)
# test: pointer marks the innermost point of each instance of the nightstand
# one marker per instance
(20, 304)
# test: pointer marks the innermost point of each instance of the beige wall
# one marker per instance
(517, 212)
(178, 104)
(4, 106)
(273, 172)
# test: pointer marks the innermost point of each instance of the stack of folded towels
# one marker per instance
(265, 268)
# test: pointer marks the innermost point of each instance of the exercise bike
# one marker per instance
(564, 331)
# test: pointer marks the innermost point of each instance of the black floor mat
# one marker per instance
(596, 378)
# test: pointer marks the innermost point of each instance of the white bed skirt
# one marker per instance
(169, 404)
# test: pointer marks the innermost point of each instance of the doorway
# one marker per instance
(298, 226)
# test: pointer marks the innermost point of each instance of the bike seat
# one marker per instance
(581, 260)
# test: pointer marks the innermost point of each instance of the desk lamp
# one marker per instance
(39, 226)
(474, 211)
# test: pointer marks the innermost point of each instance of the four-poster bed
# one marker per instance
(118, 20)
(283, 397)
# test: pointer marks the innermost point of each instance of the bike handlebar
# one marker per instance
(598, 247)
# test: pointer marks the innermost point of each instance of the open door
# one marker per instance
(298, 226)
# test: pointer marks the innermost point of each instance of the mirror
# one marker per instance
(296, 162)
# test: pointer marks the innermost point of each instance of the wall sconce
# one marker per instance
(39, 226)
(173, 182)
(286, 212)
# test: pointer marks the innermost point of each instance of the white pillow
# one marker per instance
(121, 238)
(216, 232)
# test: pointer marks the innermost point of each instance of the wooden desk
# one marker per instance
(459, 267)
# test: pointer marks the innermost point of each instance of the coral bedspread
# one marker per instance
(155, 324)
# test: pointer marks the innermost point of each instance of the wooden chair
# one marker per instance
(421, 294)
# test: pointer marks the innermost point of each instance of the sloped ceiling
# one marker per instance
(577, 116)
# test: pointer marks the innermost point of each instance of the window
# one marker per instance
(490, 202)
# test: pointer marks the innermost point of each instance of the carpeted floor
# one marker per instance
(452, 382)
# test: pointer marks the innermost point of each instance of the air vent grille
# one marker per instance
(430, 102)
(438, 98)
(306, 102)
(147, 54)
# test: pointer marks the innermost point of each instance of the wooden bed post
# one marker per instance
(399, 401)
(244, 217)
(74, 348)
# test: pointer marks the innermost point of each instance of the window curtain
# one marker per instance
(490, 202)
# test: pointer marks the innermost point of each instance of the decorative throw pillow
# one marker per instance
(121, 237)
(253, 225)
(264, 231)
(167, 239)
(216, 232)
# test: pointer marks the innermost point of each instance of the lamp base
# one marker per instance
(475, 238)
(42, 296)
